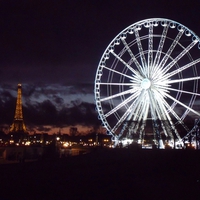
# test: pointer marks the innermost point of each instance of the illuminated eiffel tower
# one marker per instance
(18, 123)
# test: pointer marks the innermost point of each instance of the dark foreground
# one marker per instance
(106, 174)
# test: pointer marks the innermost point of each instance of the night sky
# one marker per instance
(53, 48)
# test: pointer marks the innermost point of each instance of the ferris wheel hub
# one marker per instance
(146, 83)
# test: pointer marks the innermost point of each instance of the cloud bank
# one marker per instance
(50, 105)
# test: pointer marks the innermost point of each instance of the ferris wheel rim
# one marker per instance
(142, 22)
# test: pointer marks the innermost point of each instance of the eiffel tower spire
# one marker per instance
(18, 123)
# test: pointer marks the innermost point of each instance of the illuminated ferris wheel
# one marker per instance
(147, 82)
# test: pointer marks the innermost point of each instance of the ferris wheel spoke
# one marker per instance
(174, 114)
(162, 90)
(123, 103)
(160, 46)
(181, 54)
(120, 122)
(140, 104)
(122, 84)
(183, 80)
(137, 112)
(157, 74)
(163, 105)
(124, 117)
(126, 64)
(152, 106)
(159, 103)
(142, 118)
(170, 50)
(141, 52)
(182, 104)
(145, 111)
(194, 62)
(172, 124)
(160, 109)
(117, 72)
(150, 50)
(183, 91)
(164, 116)
(158, 113)
(118, 94)
(127, 115)
(168, 107)
(139, 67)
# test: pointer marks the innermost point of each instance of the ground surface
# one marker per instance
(106, 174)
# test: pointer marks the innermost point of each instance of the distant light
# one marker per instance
(66, 144)
(11, 141)
(27, 143)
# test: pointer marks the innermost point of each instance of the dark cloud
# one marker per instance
(42, 129)
(58, 100)
(7, 107)
(41, 113)
(45, 113)
(55, 108)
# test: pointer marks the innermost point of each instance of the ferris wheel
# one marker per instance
(147, 81)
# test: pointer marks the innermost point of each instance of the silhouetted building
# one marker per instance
(73, 131)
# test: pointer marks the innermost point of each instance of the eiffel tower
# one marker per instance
(18, 123)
